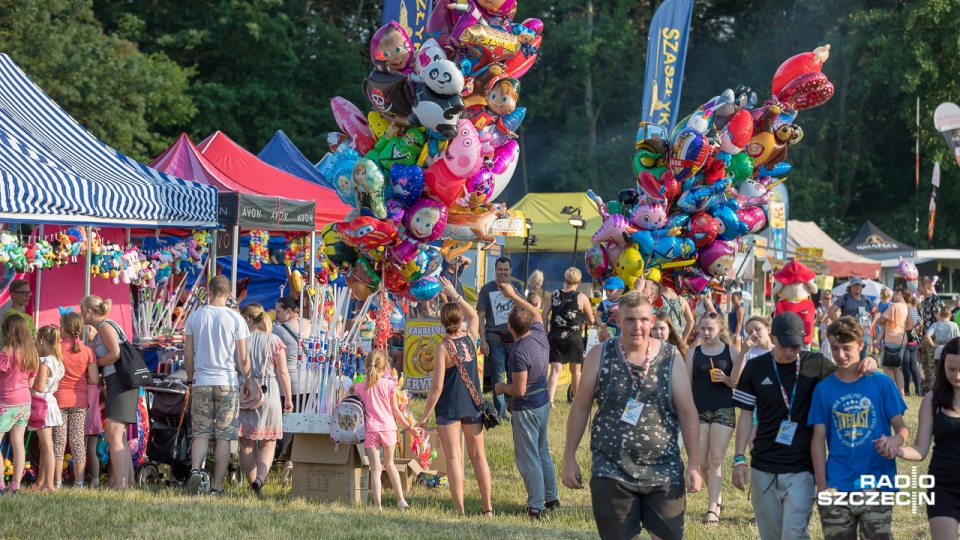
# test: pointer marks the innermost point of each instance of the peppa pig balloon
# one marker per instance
(444, 179)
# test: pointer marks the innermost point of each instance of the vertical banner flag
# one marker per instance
(933, 201)
(947, 120)
(666, 53)
(411, 14)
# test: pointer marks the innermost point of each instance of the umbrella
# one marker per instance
(871, 288)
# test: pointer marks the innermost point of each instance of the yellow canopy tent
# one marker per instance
(551, 228)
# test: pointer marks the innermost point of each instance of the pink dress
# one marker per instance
(381, 426)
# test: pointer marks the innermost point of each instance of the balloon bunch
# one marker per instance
(703, 186)
(436, 150)
(259, 252)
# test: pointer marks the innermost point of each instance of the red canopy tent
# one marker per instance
(251, 175)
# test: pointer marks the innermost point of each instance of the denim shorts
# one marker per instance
(466, 420)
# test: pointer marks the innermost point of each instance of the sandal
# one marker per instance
(488, 513)
(714, 521)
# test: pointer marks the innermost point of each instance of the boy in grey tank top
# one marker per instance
(643, 397)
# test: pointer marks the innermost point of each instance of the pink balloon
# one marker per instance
(612, 230)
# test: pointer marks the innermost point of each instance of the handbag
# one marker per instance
(38, 412)
(491, 418)
(253, 399)
(893, 354)
(131, 369)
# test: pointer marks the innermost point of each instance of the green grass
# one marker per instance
(166, 513)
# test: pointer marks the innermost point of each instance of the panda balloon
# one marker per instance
(436, 103)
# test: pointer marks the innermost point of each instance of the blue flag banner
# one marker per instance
(666, 53)
(411, 14)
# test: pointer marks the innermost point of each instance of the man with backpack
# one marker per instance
(215, 350)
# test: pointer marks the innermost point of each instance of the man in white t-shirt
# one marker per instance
(215, 350)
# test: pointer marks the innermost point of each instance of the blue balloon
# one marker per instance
(657, 247)
(406, 182)
(731, 226)
(778, 170)
(424, 289)
(702, 198)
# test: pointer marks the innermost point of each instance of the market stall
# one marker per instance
(281, 153)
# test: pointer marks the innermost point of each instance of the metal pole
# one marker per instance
(36, 293)
(236, 253)
(312, 254)
(88, 263)
(526, 261)
(212, 256)
(576, 238)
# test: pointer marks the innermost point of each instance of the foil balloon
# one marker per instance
(612, 230)
(434, 261)
(369, 183)
(736, 134)
(596, 262)
(392, 49)
(367, 232)
(504, 165)
(395, 213)
(363, 280)
(474, 227)
(393, 281)
(393, 150)
(702, 198)
(426, 219)
(702, 229)
(629, 266)
(717, 258)
(390, 94)
(800, 84)
(691, 152)
(414, 268)
(731, 227)
(657, 247)
(444, 179)
(353, 123)
(649, 215)
(479, 188)
(335, 249)
(424, 289)
(406, 182)
(740, 167)
(754, 219)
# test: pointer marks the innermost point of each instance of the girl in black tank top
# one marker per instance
(710, 366)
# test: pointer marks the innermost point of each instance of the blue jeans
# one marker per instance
(499, 352)
(911, 369)
(533, 456)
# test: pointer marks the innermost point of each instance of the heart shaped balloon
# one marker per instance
(406, 182)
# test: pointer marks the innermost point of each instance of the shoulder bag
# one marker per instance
(131, 369)
(491, 418)
(893, 354)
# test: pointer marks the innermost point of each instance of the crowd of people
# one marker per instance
(665, 376)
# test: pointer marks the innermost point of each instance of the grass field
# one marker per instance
(165, 512)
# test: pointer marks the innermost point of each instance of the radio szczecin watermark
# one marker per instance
(877, 490)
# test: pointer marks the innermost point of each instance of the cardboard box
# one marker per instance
(409, 470)
(325, 474)
(306, 423)
(440, 463)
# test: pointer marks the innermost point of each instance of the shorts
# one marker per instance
(216, 412)
(14, 415)
(376, 439)
(622, 509)
(726, 416)
(466, 420)
(843, 520)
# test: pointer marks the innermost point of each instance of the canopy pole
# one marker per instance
(236, 252)
(36, 292)
(88, 262)
(312, 255)
(212, 256)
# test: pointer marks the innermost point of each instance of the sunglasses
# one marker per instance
(710, 315)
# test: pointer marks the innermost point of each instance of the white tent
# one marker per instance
(842, 262)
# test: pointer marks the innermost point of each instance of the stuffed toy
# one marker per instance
(795, 284)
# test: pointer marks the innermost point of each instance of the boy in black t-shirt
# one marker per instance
(779, 385)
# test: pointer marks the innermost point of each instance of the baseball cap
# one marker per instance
(788, 329)
(855, 281)
(613, 283)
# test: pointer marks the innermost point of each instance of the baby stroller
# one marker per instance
(171, 436)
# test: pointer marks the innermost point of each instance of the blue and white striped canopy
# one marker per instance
(52, 170)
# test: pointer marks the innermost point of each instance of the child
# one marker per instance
(535, 300)
(80, 371)
(941, 332)
(607, 310)
(756, 344)
(18, 365)
(47, 381)
(849, 412)
(380, 411)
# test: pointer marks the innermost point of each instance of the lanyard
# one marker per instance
(637, 384)
(796, 383)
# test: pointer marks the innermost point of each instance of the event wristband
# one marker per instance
(739, 460)
(457, 301)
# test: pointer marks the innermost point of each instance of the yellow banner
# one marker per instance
(515, 225)
(419, 346)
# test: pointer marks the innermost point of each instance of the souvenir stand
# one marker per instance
(55, 172)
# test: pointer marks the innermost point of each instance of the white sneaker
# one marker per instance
(199, 482)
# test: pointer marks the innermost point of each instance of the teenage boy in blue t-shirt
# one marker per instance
(849, 414)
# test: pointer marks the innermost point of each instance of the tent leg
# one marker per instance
(212, 256)
(36, 292)
(236, 252)
(312, 255)
(88, 263)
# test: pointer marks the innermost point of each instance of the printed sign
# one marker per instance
(419, 346)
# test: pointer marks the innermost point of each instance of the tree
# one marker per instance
(123, 96)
